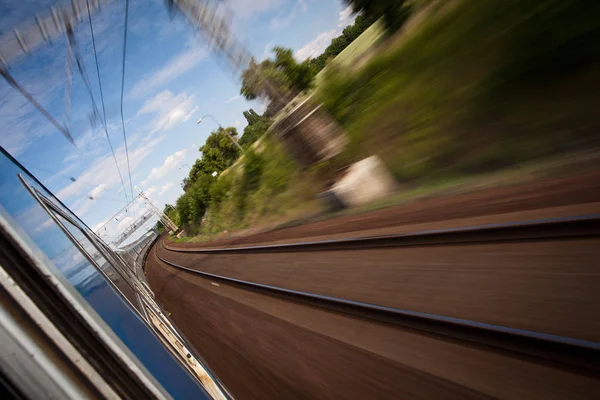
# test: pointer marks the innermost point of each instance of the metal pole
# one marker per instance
(161, 215)
(224, 130)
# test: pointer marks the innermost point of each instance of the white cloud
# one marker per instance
(323, 40)
(262, 107)
(317, 46)
(82, 206)
(346, 17)
(98, 226)
(171, 162)
(280, 22)
(175, 67)
(98, 190)
(164, 188)
(168, 109)
(103, 170)
(150, 191)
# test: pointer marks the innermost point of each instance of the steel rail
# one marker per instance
(536, 230)
(580, 355)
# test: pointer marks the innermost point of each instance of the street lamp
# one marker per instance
(224, 130)
(185, 165)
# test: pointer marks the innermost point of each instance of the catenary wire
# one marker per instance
(103, 107)
(122, 91)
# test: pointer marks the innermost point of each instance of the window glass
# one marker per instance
(73, 267)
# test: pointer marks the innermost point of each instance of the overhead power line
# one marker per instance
(112, 150)
(123, 90)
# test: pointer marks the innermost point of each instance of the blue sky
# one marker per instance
(171, 80)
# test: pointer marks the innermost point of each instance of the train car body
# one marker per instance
(79, 319)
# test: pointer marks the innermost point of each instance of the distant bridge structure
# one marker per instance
(130, 230)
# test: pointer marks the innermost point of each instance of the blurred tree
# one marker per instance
(218, 153)
(251, 116)
(199, 196)
(264, 80)
(257, 126)
(338, 44)
(393, 12)
(278, 79)
(183, 209)
(298, 75)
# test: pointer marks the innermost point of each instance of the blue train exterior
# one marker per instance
(103, 292)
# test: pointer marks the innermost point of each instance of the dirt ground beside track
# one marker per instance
(549, 193)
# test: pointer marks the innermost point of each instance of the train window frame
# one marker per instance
(97, 324)
(54, 211)
(147, 303)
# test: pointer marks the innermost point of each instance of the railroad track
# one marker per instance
(569, 228)
(574, 355)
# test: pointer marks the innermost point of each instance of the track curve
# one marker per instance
(184, 289)
(561, 228)
(577, 353)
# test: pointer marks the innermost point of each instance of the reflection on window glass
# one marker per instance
(86, 276)
(35, 224)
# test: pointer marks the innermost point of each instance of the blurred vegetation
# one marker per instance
(468, 88)
(393, 12)
(257, 126)
(265, 182)
(475, 87)
(281, 78)
(338, 44)
(218, 153)
(277, 80)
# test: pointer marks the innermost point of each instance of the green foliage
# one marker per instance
(263, 184)
(232, 199)
(220, 190)
(257, 126)
(183, 209)
(393, 12)
(218, 153)
(254, 165)
(170, 212)
(278, 170)
(298, 75)
(199, 196)
(338, 44)
(477, 87)
(550, 38)
(264, 80)
(277, 79)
